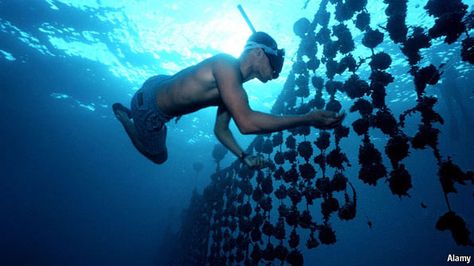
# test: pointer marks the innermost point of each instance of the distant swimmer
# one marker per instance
(216, 81)
(369, 222)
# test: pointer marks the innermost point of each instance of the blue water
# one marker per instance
(74, 191)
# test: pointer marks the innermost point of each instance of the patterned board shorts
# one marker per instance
(149, 120)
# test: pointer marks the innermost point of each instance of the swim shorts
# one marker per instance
(149, 120)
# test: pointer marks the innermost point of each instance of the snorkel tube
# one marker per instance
(275, 55)
(246, 18)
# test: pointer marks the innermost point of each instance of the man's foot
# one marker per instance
(121, 112)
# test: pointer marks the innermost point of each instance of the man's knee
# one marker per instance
(159, 158)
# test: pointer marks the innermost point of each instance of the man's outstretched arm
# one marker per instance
(253, 122)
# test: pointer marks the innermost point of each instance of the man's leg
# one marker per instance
(123, 115)
(159, 158)
(162, 155)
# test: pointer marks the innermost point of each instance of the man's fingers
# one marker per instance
(333, 122)
(342, 115)
(256, 162)
(337, 119)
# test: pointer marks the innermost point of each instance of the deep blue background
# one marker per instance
(73, 191)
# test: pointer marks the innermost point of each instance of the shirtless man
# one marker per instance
(216, 81)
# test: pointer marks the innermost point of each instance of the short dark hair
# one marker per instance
(263, 38)
(268, 44)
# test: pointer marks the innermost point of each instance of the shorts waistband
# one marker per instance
(146, 95)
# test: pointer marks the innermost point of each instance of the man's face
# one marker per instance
(266, 71)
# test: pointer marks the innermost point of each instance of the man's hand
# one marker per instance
(255, 162)
(326, 119)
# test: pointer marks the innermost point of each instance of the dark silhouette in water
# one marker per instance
(454, 91)
(452, 99)
(197, 166)
(369, 223)
(452, 95)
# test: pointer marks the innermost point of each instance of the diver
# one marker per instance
(216, 81)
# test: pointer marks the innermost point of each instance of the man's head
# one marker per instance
(265, 42)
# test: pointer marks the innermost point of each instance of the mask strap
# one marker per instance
(252, 45)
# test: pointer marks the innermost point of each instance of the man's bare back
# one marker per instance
(193, 88)
(216, 81)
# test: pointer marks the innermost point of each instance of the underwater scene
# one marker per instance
(392, 184)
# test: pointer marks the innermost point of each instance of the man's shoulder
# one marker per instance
(225, 59)
(227, 67)
(224, 63)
